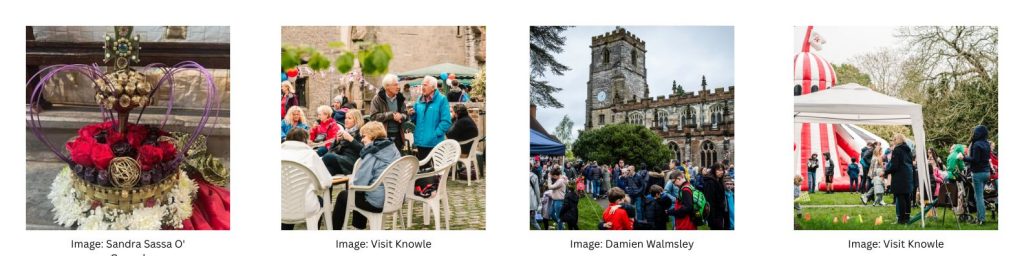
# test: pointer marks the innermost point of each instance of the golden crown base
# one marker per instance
(125, 199)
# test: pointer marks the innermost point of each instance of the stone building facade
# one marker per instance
(413, 47)
(696, 126)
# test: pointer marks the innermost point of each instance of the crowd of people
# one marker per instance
(674, 196)
(343, 134)
(894, 170)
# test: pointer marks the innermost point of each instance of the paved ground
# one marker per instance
(468, 209)
(38, 209)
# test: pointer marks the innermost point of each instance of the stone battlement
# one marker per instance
(721, 91)
(619, 34)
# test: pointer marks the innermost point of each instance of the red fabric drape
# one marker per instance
(211, 209)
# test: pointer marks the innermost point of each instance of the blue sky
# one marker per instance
(682, 54)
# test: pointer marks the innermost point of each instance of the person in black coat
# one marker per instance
(866, 154)
(342, 156)
(570, 210)
(977, 160)
(900, 170)
(656, 206)
(714, 193)
(463, 128)
(830, 172)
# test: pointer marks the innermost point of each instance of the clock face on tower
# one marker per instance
(601, 96)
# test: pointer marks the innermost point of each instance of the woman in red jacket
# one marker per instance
(325, 131)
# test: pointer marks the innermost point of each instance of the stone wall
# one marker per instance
(418, 47)
(413, 48)
(321, 87)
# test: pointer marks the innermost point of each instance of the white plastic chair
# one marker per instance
(396, 180)
(470, 159)
(443, 156)
(296, 181)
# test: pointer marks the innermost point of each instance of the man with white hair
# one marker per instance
(388, 107)
(432, 117)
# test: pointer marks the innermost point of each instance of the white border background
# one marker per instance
(763, 69)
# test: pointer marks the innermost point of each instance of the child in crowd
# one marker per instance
(853, 171)
(682, 210)
(797, 180)
(656, 205)
(878, 182)
(545, 210)
(570, 209)
(615, 217)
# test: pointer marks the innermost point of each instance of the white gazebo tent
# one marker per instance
(856, 104)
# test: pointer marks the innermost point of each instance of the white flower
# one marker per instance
(67, 208)
(146, 218)
(70, 211)
(95, 221)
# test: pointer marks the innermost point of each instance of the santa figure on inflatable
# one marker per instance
(842, 142)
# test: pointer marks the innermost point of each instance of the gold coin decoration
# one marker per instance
(124, 172)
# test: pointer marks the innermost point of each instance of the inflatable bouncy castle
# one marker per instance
(811, 74)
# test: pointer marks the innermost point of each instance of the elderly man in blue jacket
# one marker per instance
(432, 117)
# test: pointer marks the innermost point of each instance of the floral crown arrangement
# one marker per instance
(123, 175)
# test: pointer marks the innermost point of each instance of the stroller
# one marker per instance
(958, 195)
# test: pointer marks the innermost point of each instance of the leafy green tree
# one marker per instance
(564, 131)
(953, 73)
(848, 73)
(373, 58)
(633, 143)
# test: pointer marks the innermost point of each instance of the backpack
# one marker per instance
(700, 204)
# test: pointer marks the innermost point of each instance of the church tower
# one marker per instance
(618, 72)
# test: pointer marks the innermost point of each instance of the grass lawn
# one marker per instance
(590, 212)
(823, 217)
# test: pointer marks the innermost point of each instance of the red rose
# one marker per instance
(150, 155)
(81, 151)
(113, 137)
(136, 139)
(90, 130)
(169, 150)
(101, 155)
(136, 135)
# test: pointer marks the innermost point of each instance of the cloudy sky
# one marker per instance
(842, 44)
(682, 54)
